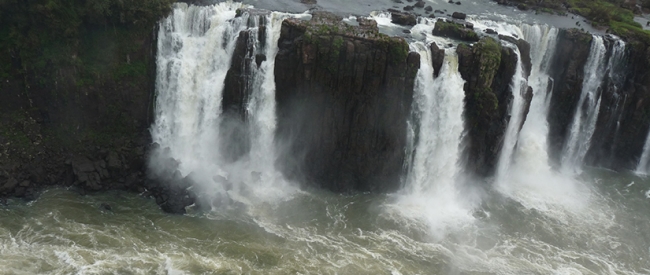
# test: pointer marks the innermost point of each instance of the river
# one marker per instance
(597, 225)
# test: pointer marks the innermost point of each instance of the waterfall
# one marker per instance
(532, 146)
(530, 180)
(195, 49)
(586, 115)
(642, 168)
(616, 66)
(431, 193)
(518, 86)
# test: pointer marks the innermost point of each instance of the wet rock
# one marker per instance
(459, 15)
(437, 58)
(419, 4)
(348, 92)
(488, 69)
(259, 58)
(568, 72)
(408, 8)
(106, 207)
(455, 31)
(428, 8)
(458, 3)
(524, 49)
(82, 164)
(491, 31)
(368, 24)
(9, 185)
(309, 2)
(405, 19)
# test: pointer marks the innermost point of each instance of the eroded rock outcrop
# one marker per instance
(343, 97)
(568, 73)
(487, 68)
(454, 30)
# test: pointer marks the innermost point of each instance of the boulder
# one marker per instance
(402, 18)
(455, 31)
(437, 58)
(459, 15)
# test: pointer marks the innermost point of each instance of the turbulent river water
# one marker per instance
(529, 219)
(597, 224)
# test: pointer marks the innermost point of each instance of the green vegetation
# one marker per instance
(611, 14)
(74, 58)
(616, 15)
(455, 31)
(56, 37)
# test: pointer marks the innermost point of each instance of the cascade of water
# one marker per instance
(530, 179)
(643, 167)
(438, 107)
(195, 45)
(431, 192)
(195, 49)
(532, 154)
(519, 85)
(586, 115)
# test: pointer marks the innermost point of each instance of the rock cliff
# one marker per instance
(343, 96)
(488, 68)
(567, 70)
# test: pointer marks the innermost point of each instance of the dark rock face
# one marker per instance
(455, 31)
(59, 130)
(568, 72)
(437, 58)
(60, 126)
(402, 18)
(624, 119)
(487, 68)
(343, 98)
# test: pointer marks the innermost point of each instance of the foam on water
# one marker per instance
(432, 194)
(195, 48)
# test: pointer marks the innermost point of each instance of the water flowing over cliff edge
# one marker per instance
(310, 143)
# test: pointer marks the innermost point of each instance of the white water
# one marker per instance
(518, 86)
(531, 154)
(530, 180)
(432, 193)
(643, 167)
(584, 121)
(195, 48)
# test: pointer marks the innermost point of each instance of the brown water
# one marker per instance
(606, 230)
